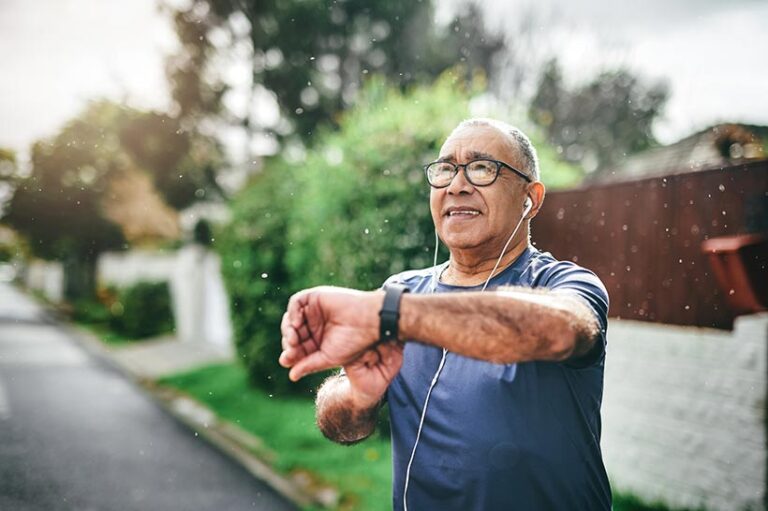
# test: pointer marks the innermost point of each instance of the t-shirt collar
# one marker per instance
(517, 266)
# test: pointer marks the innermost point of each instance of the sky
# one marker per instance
(56, 55)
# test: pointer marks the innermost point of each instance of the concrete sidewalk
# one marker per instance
(164, 356)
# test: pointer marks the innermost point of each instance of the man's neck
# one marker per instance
(469, 271)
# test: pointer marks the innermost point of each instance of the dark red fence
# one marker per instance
(643, 238)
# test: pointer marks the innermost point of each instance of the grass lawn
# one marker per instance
(362, 473)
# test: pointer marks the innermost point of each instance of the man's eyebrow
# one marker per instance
(478, 155)
(473, 155)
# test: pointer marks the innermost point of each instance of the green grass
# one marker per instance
(286, 424)
(624, 502)
(362, 473)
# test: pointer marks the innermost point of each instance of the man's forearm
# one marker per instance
(339, 418)
(509, 325)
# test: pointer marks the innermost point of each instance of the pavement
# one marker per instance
(163, 356)
(78, 432)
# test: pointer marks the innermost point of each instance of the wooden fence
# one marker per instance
(643, 238)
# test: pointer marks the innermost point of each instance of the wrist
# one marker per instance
(407, 321)
(389, 314)
(377, 300)
(362, 402)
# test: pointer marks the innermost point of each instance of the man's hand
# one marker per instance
(327, 327)
(370, 374)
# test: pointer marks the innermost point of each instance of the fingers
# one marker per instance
(313, 363)
(296, 305)
(298, 340)
(290, 336)
(290, 343)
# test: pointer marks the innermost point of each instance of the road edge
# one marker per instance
(228, 438)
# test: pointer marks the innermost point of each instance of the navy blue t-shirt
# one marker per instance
(502, 437)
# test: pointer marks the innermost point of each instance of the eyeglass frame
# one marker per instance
(499, 165)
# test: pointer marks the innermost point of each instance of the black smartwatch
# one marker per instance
(390, 312)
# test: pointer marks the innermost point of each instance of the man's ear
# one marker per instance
(536, 192)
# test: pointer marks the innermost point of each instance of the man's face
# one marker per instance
(466, 216)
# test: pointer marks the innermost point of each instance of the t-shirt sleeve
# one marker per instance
(572, 280)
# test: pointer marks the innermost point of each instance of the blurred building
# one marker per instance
(722, 145)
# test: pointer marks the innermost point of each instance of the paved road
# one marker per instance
(76, 435)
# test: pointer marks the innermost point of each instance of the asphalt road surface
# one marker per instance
(76, 435)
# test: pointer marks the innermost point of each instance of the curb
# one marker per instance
(242, 447)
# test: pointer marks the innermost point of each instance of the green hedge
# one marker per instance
(351, 212)
(134, 312)
(142, 310)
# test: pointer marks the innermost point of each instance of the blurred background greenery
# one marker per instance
(363, 92)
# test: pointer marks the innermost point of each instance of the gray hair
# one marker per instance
(530, 159)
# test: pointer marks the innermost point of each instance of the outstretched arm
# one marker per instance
(333, 326)
(509, 325)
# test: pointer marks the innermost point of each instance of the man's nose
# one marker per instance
(459, 184)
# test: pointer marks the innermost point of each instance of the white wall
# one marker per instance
(200, 303)
(46, 277)
(125, 268)
(684, 413)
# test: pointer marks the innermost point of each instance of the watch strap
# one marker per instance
(390, 312)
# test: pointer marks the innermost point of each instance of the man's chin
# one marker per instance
(462, 241)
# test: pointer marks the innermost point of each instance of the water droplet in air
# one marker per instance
(264, 275)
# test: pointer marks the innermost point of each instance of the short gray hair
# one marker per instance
(520, 139)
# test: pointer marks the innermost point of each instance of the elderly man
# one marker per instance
(491, 363)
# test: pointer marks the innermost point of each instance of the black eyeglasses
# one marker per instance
(478, 172)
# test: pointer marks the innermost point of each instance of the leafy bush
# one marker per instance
(142, 310)
(351, 212)
(91, 312)
(253, 266)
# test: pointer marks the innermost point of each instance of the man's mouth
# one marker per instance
(462, 212)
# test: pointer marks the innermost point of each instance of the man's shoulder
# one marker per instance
(546, 270)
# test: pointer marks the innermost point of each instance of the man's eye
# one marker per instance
(482, 167)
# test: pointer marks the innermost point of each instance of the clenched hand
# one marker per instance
(326, 327)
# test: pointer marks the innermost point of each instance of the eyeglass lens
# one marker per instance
(479, 172)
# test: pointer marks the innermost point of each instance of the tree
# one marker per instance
(182, 162)
(58, 206)
(63, 205)
(312, 55)
(601, 122)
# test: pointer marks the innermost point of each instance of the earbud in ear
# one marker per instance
(527, 205)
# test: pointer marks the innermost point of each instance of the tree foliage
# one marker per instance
(313, 55)
(352, 212)
(59, 205)
(601, 122)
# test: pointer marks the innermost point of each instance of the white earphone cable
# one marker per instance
(435, 278)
